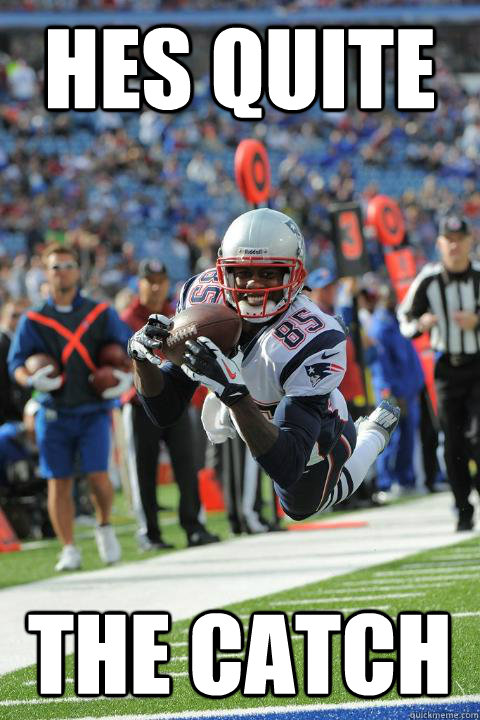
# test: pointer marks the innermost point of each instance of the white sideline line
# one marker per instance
(269, 710)
(312, 600)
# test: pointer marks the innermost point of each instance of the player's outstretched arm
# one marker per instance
(148, 379)
(259, 434)
(165, 391)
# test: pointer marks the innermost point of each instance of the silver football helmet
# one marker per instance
(262, 238)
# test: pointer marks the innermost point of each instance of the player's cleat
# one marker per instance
(107, 544)
(145, 544)
(69, 559)
(384, 419)
(465, 523)
(201, 537)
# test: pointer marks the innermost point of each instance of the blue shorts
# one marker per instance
(70, 442)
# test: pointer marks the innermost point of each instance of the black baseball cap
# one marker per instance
(151, 266)
(453, 222)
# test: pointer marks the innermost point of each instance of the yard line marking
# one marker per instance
(34, 682)
(434, 571)
(380, 587)
(388, 586)
(349, 609)
(430, 578)
(466, 614)
(457, 565)
(309, 601)
(399, 581)
(70, 680)
(341, 609)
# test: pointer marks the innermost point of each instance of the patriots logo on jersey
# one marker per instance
(321, 370)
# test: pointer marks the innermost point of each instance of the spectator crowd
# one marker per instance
(199, 5)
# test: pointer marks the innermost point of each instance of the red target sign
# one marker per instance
(386, 217)
(252, 171)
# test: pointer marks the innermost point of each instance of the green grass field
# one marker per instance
(37, 560)
(445, 579)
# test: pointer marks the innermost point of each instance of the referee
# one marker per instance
(445, 301)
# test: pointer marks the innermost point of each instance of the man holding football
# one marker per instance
(280, 390)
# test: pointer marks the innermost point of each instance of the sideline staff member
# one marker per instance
(72, 419)
(153, 286)
(445, 300)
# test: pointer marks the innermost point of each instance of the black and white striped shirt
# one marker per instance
(438, 291)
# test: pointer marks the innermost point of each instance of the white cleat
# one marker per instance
(384, 419)
(69, 559)
(108, 546)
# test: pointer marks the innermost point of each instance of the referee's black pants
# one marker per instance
(179, 439)
(458, 395)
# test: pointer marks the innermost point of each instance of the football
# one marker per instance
(103, 378)
(114, 355)
(217, 322)
(41, 360)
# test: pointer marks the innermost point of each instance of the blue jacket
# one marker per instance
(76, 394)
(396, 369)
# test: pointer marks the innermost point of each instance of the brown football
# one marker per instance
(41, 360)
(219, 323)
(103, 378)
(114, 355)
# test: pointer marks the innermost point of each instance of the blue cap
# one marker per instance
(320, 278)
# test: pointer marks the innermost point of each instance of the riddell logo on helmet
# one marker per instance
(252, 251)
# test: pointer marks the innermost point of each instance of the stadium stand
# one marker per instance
(164, 185)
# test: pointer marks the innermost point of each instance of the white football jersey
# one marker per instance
(301, 353)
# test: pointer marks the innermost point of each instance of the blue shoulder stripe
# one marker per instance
(325, 341)
(183, 293)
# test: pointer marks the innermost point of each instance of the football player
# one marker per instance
(280, 390)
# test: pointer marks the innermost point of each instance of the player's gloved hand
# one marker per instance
(149, 338)
(125, 380)
(41, 382)
(204, 362)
